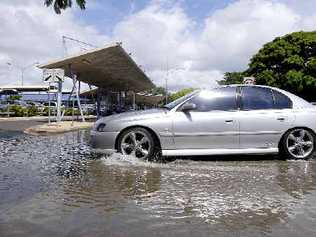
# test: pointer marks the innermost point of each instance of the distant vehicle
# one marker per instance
(51, 104)
(40, 107)
(21, 103)
(3, 105)
(33, 103)
(236, 119)
(88, 108)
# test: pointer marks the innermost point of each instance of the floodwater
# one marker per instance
(54, 186)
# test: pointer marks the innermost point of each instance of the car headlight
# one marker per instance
(101, 127)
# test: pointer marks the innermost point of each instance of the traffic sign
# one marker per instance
(53, 75)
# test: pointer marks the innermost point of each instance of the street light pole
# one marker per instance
(22, 69)
(167, 78)
(167, 86)
(22, 76)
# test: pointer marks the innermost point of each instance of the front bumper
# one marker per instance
(103, 142)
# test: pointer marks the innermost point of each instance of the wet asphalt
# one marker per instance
(55, 186)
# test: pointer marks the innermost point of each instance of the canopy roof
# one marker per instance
(109, 67)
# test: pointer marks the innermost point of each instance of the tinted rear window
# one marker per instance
(281, 101)
(254, 98)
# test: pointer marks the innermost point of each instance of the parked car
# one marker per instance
(237, 119)
(40, 107)
(3, 105)
(52, 107)
(51, 104)
(21, 103)
(88, 108)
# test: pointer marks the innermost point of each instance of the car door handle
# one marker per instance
(229, 121)
(281, 118)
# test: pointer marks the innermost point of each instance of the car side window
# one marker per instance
(223, 99)
(281, 101)
(255, 98)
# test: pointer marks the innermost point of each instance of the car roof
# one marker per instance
(247, 85)
(298, 102)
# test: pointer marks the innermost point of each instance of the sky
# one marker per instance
(197, 40)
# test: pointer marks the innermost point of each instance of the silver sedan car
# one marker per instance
(236, 119)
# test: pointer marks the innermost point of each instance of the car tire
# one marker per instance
(298, 143)
(138, 142)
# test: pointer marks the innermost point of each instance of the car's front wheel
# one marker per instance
(298, 143)
(137, 142)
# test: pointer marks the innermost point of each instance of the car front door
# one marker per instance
(212, 124)
(264, 116)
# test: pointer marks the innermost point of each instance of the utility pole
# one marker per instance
(64, 38)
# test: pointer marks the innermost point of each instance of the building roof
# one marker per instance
(108, 67)
(27, 88)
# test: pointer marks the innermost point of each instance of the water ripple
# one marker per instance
(58, 183)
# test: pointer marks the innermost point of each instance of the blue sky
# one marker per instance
(205, 38)
(105, 14)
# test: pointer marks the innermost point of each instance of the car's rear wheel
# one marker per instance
(298, 143)
(137, 142)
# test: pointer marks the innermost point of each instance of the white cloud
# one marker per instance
(156, 35)
(229, 37)
(186, 78)
(31, 32)
(160, 36)
(232, 35)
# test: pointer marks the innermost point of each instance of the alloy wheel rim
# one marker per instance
(136, 143)
(300, 143)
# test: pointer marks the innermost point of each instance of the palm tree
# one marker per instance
(63, 4)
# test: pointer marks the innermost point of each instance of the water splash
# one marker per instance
(118, 159)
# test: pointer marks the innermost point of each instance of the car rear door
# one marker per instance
(264, 116)
(212, 125)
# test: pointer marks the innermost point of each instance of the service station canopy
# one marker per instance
(141, 97)
(109, 67)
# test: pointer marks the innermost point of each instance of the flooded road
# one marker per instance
(54, 186)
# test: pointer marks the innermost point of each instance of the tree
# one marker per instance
(63, 4)
(232, 78)
(288, 62)
(15, 97)
(158, 91)
(180, 93)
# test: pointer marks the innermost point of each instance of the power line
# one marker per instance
(64, 38)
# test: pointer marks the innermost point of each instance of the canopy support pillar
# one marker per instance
(76, 89)
(59, 95)
(98, 104)
(134, 100)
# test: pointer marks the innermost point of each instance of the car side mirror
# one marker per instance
(188, 106)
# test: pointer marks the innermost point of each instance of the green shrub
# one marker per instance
(68, 111)
(18, 110)
(32, 111)
(52, 111)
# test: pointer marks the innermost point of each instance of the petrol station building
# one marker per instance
(111, 73)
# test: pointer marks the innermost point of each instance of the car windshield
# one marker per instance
(179, 101)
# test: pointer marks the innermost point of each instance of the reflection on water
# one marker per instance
(54, 186)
